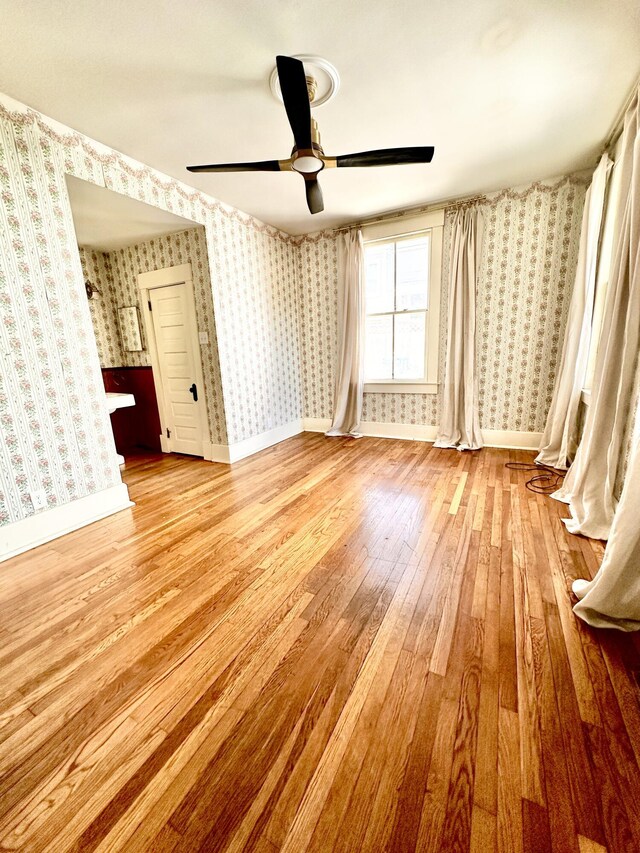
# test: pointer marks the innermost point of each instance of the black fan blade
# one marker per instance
(387, 157)
(293, 85)
(258, 166)
(314, 195)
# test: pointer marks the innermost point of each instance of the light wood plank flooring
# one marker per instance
(335, 645)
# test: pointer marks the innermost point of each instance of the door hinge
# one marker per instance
(149, 304)
(168, 433)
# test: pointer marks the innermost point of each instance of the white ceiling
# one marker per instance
(507, 90)
(106, 220)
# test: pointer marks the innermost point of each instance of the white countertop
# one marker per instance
(119, 401)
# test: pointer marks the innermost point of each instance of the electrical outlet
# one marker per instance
(39, 499)
(204, 337)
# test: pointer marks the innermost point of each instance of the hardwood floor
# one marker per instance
(336, 645)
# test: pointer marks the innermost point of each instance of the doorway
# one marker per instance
(137, 258)
(171, 326)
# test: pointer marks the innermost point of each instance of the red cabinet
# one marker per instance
(136, 427)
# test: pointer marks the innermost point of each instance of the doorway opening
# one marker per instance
(170, 320)
(148, 284)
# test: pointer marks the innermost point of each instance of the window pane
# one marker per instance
(378, 347)
(379, 262)
(412, 273)
(408, 362)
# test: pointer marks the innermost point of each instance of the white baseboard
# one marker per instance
(421, 432)
(217, 453)
(242, 449)
(45, 526)
(412, 432)
(316, 424)
(511, 439)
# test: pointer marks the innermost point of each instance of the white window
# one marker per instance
(402, 299)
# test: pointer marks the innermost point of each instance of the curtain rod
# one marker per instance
(410, 211)
(618, 124)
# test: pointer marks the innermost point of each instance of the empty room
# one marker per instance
(320, 426)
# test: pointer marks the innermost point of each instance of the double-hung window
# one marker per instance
(401, 323)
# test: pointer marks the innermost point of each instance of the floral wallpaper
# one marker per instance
(56, 434)
(257, 314)
(526, 276)
(130, 327)
(123, 271)
(103, 307)
(318, 297)
(526, 279)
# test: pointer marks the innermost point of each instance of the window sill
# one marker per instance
(585, 396)
(393, 387)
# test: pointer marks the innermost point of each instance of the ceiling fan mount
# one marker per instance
(323, 80)
(298, 91)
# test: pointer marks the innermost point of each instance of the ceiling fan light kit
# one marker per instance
(307, 164)
(299, 91)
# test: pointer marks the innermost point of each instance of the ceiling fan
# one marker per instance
(307, 157)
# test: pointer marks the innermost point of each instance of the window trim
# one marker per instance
(400, 386)
(394, 231)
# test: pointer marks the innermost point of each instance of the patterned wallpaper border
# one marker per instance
(110, 157)
(165, 182)
(492, 198)
(549, 185)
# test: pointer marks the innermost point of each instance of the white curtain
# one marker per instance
(612, 598)
(589, 485)
(459, 421)
(347, 401)
(560, 439)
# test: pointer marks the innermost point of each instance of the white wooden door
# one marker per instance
(177, 349)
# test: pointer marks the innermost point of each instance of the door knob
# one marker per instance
(194, 391)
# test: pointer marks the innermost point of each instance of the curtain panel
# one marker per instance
(612, 598)
(460, 422)
(560, 439)
(349, 387)
(590, 484)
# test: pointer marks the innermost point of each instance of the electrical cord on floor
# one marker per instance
(544, 483)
